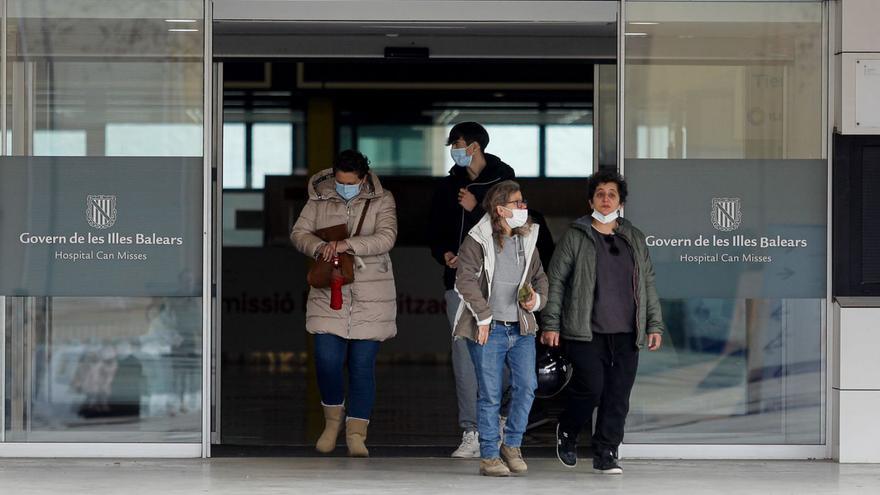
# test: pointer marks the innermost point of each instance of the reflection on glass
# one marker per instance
(729, 91)
(118, 82)
(746, 84)
(103, 365)
(733, 371)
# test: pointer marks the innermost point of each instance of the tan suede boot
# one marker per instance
(333, 416)
(356, 436)
(512, 456)
(493, 467)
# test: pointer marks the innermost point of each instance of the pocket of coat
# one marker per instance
(382, 262)
(385, 263)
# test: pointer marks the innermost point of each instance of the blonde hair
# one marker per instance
(498, 195)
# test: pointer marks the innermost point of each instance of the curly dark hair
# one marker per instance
(604, 177)
(352, 161)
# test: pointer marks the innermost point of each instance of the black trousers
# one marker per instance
(604, 374)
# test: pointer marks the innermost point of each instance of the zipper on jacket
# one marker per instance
(468, 188)
(635, 283)
(351, 287)
(350, 307)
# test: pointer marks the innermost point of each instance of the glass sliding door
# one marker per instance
(725, 151)
(101, 213)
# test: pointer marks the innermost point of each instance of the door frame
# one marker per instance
(532, 11)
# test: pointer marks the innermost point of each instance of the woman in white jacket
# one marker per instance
(502, 284)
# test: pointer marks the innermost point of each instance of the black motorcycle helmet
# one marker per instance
(554, 373)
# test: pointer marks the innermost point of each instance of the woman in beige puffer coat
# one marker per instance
(368, 316)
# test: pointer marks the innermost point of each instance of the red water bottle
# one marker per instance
(336, 285)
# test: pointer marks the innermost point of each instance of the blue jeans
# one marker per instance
(505, 346)
(330, 356)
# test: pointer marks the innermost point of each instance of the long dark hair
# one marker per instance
(498, 196)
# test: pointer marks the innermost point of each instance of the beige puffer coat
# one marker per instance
(369, 310)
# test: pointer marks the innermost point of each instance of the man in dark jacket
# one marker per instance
(455, 209)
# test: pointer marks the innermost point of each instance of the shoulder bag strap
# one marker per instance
(357, 232)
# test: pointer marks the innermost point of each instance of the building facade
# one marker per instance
(745, 130)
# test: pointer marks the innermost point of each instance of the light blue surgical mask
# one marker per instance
(460, 156)
(347, 191)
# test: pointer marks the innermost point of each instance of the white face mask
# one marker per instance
(606, 219)
(519, 218)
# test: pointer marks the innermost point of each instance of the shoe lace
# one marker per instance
(566, 441)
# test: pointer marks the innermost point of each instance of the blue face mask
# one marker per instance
(460, 156)
(347, 191)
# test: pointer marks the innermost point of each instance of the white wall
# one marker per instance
(856, 385)
(857, 67)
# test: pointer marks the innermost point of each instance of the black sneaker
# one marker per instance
(606, 463)
(566, 448)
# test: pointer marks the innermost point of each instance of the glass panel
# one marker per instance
(569, 150)
(154, 140)
(727, 171)
(234, 167)
(272, 151)
(396, 149)
(59, 143)
(518, 146)
(104, 361)
(514, 136)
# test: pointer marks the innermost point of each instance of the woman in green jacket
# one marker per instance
(603, 307)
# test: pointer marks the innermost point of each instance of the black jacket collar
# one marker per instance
(493, 169)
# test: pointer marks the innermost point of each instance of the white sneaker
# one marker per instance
(470, 446)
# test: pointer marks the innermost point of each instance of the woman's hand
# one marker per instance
(328, 251)
(482, 334)
(333, 248)
(550, 338)
(655, 340)
(530, 304)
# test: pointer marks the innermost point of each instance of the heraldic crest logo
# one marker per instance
(726, 214)
(101, 211)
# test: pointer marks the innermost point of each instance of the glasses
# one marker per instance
(613, 249)
(518, 204)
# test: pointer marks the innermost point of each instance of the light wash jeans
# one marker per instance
(505, 346)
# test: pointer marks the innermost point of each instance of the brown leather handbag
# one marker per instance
(321, 271)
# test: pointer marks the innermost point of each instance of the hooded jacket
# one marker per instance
(449, 223)
(473, 282)
(369, 310)
(572, 274)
